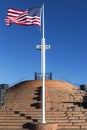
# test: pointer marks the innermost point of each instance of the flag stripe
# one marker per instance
(23, 17)
(15, 10)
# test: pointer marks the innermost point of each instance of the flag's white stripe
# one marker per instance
(26, 23)
(23, 20)
(33, 17)
(16, 11)
(20, 22)
(16, 15)
(33, 20)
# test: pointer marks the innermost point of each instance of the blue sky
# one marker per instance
(65, 31)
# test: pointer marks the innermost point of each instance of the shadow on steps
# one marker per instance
(29, 126)
(37, 98)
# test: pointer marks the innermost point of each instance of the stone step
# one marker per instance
(12, 118)
(15, 121)
(6, 112)
(80, 123)
(47, 113)
(76, 121)
(50, 117)
(10, 127)
(11, 123)
(68, 127)
(72, 115)
(53, 120)
(84, 127)
(11, 115)
(77, 117)
(74, 112)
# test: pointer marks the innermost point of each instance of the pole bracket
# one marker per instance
(39, 47)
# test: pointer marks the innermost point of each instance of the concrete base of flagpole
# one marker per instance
(45, 126)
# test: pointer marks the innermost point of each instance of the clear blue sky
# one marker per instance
(65, 31)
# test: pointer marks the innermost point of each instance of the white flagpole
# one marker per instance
(43, 67)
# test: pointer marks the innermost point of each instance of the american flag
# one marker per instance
(23, 17)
